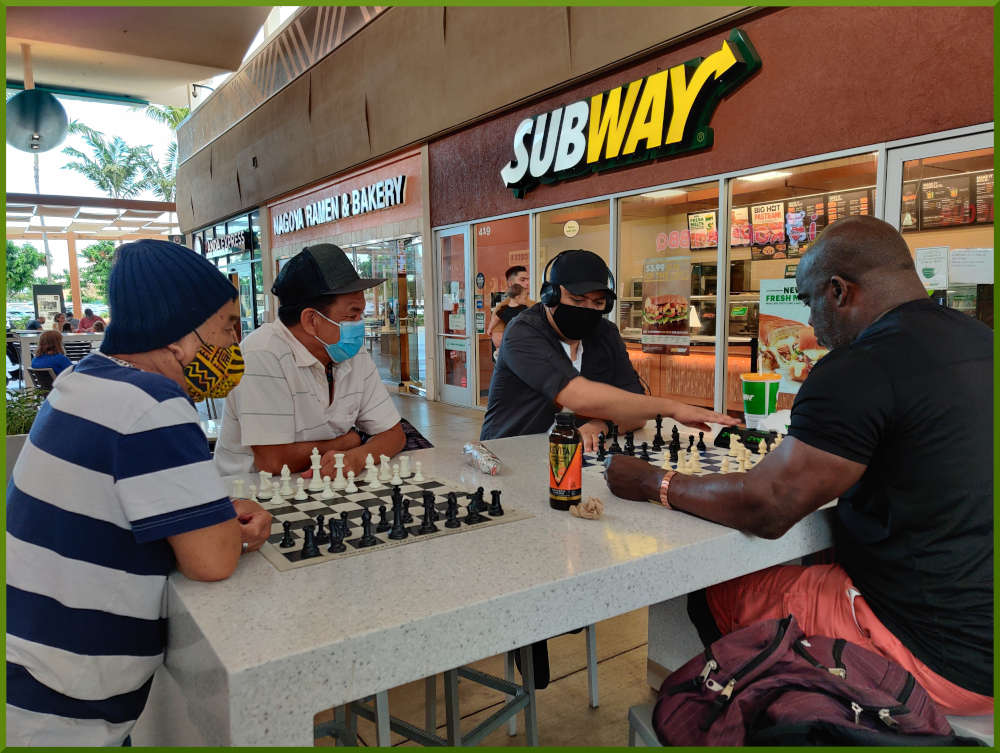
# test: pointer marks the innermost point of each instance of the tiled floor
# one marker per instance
(564, 716)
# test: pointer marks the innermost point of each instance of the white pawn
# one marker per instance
(351, 487)
(265, 485)
(286, 481)
(376, 485)
(384, 471)
(396, 480)
(253, 493)
(404, 467)
(316, 482)
(327, 492)
(725, 465)
(371, 472)
(762, 448)
(300, 490)
(338, 481)
(696, 459)
(732, 448)
(418, 476)
(743, 464)
(239, 488)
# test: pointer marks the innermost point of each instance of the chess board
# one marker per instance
(300, 513)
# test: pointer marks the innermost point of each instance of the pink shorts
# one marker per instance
(825, 602)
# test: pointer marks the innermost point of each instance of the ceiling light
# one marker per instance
(666, 193)
(761, 177)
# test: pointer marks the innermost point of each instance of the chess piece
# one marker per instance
(384, 471)
(630, 443)
(644, 453)
(696, 462)
(286, 482)
(602, 451)
(396, 480)
(253, 493)
(429, 498)
(300, 490)
(383, 520)
(418, 477)
(451, 512)
(472, 515)
(404, 467)
(762, 447)
(742, 467)
(345, 526)
(407, 516)
(287, 539)
(336, 538)
(371, 472)
(658, 440)
(276, 499)
(398, 530)
(316, 482)
(321, 535)
(701, 442)
(351, 487)
(339, 482)
(495, 508)
(615, 449)
(265, 485)
(309, 548)
(367, 536)
(427, 525)
(327, 492)
(674, 451)
(239, 488)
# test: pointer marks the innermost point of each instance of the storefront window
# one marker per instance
(668, 247)
(584, 226)
(255, 229)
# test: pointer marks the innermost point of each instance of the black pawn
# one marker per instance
(309, 548)
(287, 540)
(630, 443)
(644, 454)
(427, 525)
(675, 436)
(495, 509)
(398, 530)
(674, 452)
(480, 499)
(701, 442)
(690, 442)
(336, 538)
(367, 536)
(383, 520)
(345, 525)
(407, 516)
(429, 508)
(322, 537)
(451, 513)
(602, 451)
(615, 448)
(472, 512)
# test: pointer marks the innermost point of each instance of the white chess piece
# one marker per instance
(743, 463)
(338, 481)
(404, 467)
(316, 482)
(351, 487)
(725, 465)
(696, 459)
(417, 475)
(253, 493)
(327, 492)
(762, 448)
(265, 485)
(286, 482)
(300, 490)
(384, 471)
(239, 488)
(396, 480)
(276, 499)
(371, 472)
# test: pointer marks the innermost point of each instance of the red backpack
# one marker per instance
(769, 684)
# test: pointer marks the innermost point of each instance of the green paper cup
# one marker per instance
(760, 397)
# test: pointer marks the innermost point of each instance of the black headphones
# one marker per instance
(550, 294)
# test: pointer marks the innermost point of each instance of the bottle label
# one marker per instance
(565, 471)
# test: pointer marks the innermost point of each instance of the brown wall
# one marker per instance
(831, 78)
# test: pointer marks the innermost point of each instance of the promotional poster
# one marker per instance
(787, 344)
(666, 285)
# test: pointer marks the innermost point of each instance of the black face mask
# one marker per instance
(576, 322)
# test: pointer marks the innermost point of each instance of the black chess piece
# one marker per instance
(615, 449)
(427, 524)
(602, 451)
(336, 538)
(701, 442)
(451, 513)
(675, 435)
(383, 520)
(496, 510)
(658, 440)
(430, 510)
(407, 515)
(345, 525)
(287, 539)
(398, 529)
(690, 442)
(309, 548)
(644, 454)
(397, 493)
(480, 499)
(674, 452)
(472, 512)
(322, 537)
(630, 443)
(367, 535)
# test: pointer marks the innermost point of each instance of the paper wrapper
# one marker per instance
(591, 509)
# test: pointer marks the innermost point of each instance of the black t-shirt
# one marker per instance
(532, 368)
(506, 314)
(911, 398)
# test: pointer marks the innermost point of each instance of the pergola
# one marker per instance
(86, 218)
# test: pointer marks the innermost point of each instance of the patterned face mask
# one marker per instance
(214, 372)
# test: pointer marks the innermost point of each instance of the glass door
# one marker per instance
(940, 197)
(456, 355)
(242, 276)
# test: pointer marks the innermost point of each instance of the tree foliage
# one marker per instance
(169, 116)
(100, 257)
(161, 177)
(113, 166)
(22, 261)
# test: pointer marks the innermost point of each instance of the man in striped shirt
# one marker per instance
(115, 487)
(308, 381)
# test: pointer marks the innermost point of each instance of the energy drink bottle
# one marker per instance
(565, 463)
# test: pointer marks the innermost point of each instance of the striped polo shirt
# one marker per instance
(115, 462)
(284, 397)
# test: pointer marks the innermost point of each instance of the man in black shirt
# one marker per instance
(562, 352)
(896, 421)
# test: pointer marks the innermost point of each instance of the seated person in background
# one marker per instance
(517, 300)
(74, 323)
(36, 323)
(98, 326)
(50, 353)
(88, 321)
(67, 327)
(896, 421)
(114, 489)
(308, 381)
(58, 322)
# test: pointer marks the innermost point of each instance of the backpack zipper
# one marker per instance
(839, 670)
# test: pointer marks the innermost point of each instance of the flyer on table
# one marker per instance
(787, 344)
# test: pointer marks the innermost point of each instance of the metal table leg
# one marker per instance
(591, 633)
(530, 711)
(430, 704)
(454, 733)
(509, 675)
(383, 736)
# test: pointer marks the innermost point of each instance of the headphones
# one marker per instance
(550, 294)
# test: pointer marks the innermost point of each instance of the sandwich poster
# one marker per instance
(666, 285)
(786, 343)
(768, 228)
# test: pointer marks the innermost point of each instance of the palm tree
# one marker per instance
(170, 116)
(161, 177)
(113, 166)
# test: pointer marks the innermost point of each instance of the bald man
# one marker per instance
(896, 422)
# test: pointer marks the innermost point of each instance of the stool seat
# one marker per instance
(979, 727)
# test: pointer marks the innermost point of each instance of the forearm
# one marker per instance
(297, 455)
(599, 400)
(389, 443)
(746, 501)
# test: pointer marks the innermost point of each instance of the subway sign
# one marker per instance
(663, 114)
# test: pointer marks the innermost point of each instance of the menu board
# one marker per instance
(945, 202)
(984, 198)
(768, 221)
(847, 204)
(739, 226)
(804, 218)
(703, 230)
(909, 213)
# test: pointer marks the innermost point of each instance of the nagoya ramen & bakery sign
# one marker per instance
(663, 114)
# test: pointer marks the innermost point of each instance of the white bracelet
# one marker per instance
(246, 547)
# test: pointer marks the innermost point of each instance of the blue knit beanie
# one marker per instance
(158, 292)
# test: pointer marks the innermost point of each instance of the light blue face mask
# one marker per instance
(352, 337)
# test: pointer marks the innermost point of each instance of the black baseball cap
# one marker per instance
(580, 272)
(319, 270)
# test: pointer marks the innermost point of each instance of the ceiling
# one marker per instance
(88, 218)
(148, 53)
